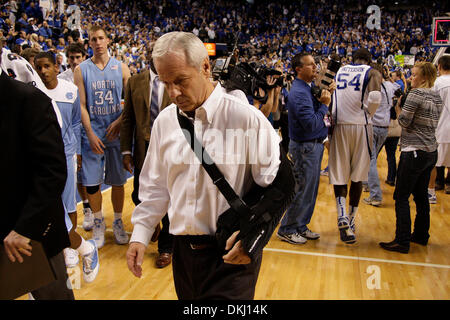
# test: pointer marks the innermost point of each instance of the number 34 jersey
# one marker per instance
(351, 84)
(103, 94)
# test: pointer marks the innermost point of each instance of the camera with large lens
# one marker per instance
(326, 77)
(398, 94)
(281, 81)
(245, 76)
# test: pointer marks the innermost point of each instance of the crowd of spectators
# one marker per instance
(272, 32)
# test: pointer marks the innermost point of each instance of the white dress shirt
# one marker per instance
(172, 179)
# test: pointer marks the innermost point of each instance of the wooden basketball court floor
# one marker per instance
(318, 270)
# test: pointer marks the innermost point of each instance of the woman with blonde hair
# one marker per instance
(418, 118)
(34, 39)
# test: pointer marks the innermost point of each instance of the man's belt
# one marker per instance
(317, 140)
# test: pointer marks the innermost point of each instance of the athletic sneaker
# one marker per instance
(294, 238)
(98, 233)
(119, 232)
(71, 257)
(308, 234)
(91, 263)
(352, 223)
(324, 172)
(88, 222)
(432, 198)
(372, 201)
(345, 231)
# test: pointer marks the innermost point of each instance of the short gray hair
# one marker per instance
(181, 42)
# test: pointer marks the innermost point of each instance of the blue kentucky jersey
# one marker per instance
(66, 97)
(103, 94)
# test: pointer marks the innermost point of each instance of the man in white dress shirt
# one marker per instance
(172, 179)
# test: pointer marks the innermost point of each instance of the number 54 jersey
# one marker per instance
(350, 95)
(103, 94)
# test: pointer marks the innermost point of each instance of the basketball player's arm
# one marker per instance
(96, 144)
(113, 130)
(374, 90)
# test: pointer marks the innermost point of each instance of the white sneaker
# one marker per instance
(98, 233)
(432, 198)
(91, 263)
(308, 234)
(71, 257)
(345, 230)
(372, 201)
(88, 222)
(119, 232)
(294, 238)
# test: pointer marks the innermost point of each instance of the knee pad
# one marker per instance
(92, 189)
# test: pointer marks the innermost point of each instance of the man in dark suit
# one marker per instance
(144, 98)
(36, 176)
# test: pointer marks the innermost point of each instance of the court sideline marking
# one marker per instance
(338, 256)
(328, 255)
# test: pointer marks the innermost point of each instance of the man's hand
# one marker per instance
(332, 87)
(96, 144)
(113, 130)
(135, 258)
(325, 97)
(128, 163)
(236, 255)
(16, 244)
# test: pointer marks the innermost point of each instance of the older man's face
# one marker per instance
(186, 85)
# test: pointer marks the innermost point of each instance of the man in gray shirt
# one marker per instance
(380, 123)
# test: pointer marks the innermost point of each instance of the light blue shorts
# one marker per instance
(105, 168)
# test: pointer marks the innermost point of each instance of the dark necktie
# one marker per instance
(154, 107)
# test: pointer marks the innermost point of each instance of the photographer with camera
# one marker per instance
(355, 101)
(273, 95)
(380, 122)
(307, 131)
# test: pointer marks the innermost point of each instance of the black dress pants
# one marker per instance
(199, 272)
(413, 175)
(391, 147)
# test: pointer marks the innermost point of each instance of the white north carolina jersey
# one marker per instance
(66, 75)
(19, 69)
(351, 84)
(66, 97)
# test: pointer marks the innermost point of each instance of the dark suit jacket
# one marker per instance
(136, 116)
(34, 166)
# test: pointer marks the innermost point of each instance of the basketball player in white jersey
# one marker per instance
(355, 100)
(20, 69)
(65, 94)
(75, 54)
(100, 81)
